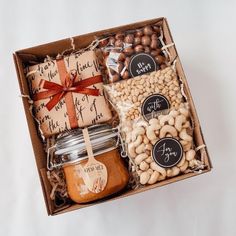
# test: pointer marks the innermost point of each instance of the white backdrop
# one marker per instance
(205, 35)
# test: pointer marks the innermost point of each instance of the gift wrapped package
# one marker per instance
(67, 93)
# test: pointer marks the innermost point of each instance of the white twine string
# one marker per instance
(167, 46)
(200, 147)
(164, 46)
(173, 66)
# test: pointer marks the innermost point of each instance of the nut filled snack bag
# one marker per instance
(133, 52)
(156, 125)
(67, 93)
(156, 91)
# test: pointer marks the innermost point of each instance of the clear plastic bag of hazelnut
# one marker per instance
(140, 46)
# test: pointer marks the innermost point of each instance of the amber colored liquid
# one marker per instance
(117, 178)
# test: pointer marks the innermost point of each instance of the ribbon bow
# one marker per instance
(57, 91)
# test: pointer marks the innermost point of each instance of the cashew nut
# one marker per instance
(169, 173)
(158, 168)
(187, 147)
(169, 119)
(145, 139)
(179, 120)
(137, 132)
(190, 155)
(174, 113)
(131, 150)
(150, 171)
(193, 163)
(148, 147)
(154, 141)
(184, 166)
(150, 132)
(186, 125)
(184, 111)
(144, 177)
(142, 123)
(167, 129)
(154, 177)
(143, 166)
(154, 121)
(138, 141)
(140, 148)
(175, 171)
(149, 160)
(183, 135)
(140, 158)
(182, 161)
(161, 177)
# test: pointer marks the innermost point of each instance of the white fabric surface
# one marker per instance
(205, 35)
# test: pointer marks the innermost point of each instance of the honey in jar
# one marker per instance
(109, 171)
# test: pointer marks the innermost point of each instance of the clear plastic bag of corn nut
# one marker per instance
(161, 147)
(146, 95)
(133, 52)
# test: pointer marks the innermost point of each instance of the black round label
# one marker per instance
(154, 105)
(167, 152)
(142, 63)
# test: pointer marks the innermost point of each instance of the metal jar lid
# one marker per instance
(70, 146)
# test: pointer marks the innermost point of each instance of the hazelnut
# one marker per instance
(148, 30)
(155, 52)
(154, 43)
(103, 43)
(129, 38)
(105, 53)
(112, 41)
(128, 51)
(114, 78)
(139, 33)
(139, 48)
(163, 66)
(147, 49)
(146, 40)
(119, 43)
(121, 57)
(156, 28)
(137, 40)
(160, 59)
(119, 35)
(125, 75)
(154, 36)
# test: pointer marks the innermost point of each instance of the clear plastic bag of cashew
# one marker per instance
(145, 133)
(141, 137)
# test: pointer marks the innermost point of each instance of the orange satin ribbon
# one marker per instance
(68, 86)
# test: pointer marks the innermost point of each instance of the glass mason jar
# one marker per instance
(71, 154)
